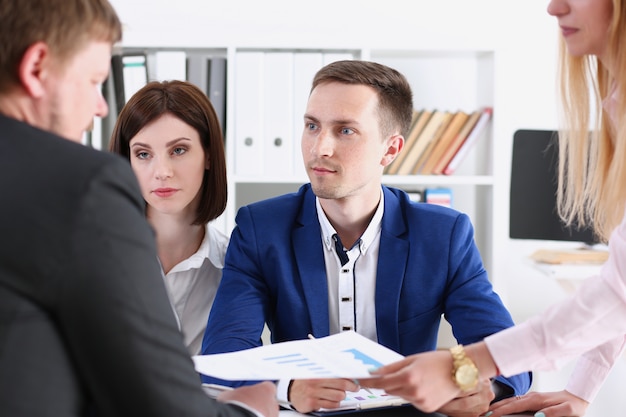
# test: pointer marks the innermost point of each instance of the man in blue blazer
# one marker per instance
(347, 253)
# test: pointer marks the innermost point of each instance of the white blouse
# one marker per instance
(192, 284)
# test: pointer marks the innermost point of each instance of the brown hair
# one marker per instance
(64, 25)
(394, 92)
(188, 103)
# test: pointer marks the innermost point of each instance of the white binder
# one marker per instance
(249, 77)
(278, 140)
(336, 56)
(305, 65)
(171, 65)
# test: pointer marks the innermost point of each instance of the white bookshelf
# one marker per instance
(267, 89)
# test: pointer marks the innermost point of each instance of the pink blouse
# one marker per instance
(591, 323)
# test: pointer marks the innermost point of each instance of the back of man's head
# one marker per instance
(65, 26)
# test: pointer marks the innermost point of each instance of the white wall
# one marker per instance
(520, 31)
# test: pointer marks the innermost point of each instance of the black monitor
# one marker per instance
(533, 190)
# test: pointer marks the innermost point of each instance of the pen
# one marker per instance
(356, 381)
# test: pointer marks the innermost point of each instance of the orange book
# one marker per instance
(470, 140)
(456, 143)
(434, 122)
(436, 137)
(439, 147)
(416, 128)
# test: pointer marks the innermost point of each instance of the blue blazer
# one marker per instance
(428, 266)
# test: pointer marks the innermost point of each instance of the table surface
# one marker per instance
(387, 412)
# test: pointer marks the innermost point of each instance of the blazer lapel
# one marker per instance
(308, 249)
(392, 261)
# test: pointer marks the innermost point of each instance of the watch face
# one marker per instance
(467, 376)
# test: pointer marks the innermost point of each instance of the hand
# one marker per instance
(552, 404)
(307, 395)
(424, 379)
(261, 397)
(472, 403)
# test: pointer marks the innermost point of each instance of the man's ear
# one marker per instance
(395, 143)
(34, 68)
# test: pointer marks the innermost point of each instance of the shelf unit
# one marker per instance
(441, 79)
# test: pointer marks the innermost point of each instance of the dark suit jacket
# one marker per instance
(86, 327)
(428, 266)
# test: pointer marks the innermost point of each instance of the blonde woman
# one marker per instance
(592, 190)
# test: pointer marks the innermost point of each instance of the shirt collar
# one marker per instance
(209, 249)
(610, 105)
(366, 238)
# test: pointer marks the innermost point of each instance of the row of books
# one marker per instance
(438, 141)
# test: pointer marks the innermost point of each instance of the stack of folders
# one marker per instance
(438, 141)
(441, 196)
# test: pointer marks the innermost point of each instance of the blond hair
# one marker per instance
(592, 173)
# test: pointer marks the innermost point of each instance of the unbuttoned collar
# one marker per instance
(366, 238)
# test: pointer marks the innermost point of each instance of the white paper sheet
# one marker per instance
(343, 355)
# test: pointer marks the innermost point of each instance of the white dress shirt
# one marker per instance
(192, 284)
(352, 287)
(350, 306)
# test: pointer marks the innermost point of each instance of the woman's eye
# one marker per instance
(179, 151)
(142, 155)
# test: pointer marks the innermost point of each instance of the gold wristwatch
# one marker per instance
(464, 372)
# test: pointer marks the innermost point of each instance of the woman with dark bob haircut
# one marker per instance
(173, 139)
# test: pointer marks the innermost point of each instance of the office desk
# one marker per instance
(388, 412)
(569, 276)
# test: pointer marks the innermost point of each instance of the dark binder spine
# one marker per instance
(117, 73)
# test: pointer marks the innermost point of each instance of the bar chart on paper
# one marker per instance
(344, 355)
(301, 361)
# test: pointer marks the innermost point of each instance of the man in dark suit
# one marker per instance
(346, 253)
(86, 327)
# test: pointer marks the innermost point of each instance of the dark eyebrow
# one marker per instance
(170, 143)
(335, 122)
(309, 117)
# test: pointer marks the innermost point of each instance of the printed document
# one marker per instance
(343, 355)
